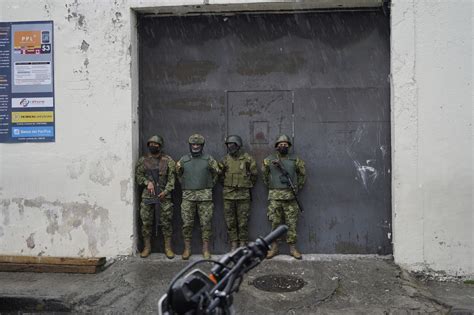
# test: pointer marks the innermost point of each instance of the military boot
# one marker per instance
(205, 250)
(233, 245)
(294, 252)
(273, 251)
(147, 248)
(187, 250)
(168, 251)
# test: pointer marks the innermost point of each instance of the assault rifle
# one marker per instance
(154, 174)
(286, 179)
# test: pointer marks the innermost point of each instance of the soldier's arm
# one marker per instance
(301, 171)
(140, 175)
(222, 168)
(171, 175)
(214, 169)
(253, 171)
(266, 172)
(179, 170)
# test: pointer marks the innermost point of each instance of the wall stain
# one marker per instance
(101, 171)
(63, 217)
(76, 168)
(84, 46)
(19, 202)
(75, 16)
(30, 241)
(124, 191)
(4, 205)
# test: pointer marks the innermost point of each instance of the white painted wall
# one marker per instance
(75, 197)
(432, 135)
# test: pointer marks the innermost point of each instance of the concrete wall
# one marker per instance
(432, 133)
(75, 197)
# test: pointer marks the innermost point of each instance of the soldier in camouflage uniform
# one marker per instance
(156, 161)
(239, 172)
(197, 173)
(283, 207)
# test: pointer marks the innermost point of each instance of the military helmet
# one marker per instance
(234, 139)
(196, 139)
(283, 138)
(156, 139)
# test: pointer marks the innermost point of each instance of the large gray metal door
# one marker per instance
(322, 78)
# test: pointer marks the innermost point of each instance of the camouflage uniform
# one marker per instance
(282, 206)
(239, 176)
(167, 178)
(200, 199)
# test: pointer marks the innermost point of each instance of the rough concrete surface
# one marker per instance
(333, 284)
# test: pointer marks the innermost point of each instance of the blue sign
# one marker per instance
(27, 102)
(32, 132)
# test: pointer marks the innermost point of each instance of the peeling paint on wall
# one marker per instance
(63, 218)
(30, 241)
(125, 191)
(74, 15)
(4, 204)
(84, 46)
(19, 202)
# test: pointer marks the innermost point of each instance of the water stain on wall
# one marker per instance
(4, 205)
(65, 217)
(101, 170)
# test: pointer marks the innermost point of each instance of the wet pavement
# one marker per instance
(333, 284)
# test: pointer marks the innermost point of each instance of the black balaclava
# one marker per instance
(154, 150)
(283, 150)
(233, 148)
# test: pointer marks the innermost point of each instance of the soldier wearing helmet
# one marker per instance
(164, 166)
(239, 174)
(197, 173)
(283, 207)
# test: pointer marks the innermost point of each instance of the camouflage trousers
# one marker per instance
(205, 210)
(284, 212)
(147, 215)
(236, 213)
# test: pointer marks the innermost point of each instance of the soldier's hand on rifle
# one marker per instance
(151, 188)
(162, 195)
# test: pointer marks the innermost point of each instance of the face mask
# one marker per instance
(232, 148)
(283, 150)
(154, 150)
(195, 151)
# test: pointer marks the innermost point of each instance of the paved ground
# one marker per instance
(333, 285)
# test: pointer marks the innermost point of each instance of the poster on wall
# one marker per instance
(26, 82)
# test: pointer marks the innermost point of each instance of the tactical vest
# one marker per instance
(277, 180)
(237, 173)
(157, 166)
(196, 173)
